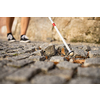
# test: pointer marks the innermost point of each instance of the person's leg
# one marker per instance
(24, 26)
(9, 22)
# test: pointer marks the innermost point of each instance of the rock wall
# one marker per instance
(74, 29)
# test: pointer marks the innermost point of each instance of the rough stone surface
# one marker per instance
(92, 62)
(67, 65)
(94, 53)
(57, 59)
(89, 72)
(48, 80)
(43, 65)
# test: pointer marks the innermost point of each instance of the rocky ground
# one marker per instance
(49, 63)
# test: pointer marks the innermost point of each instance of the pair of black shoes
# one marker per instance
(23, 38)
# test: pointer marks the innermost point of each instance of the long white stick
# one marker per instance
(60, 35)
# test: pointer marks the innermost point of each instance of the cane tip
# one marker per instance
(71, 53)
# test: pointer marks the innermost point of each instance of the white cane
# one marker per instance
(71, 53)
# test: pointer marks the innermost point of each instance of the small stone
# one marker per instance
(95, 53)
(86, 48)
(49, 50)
(89, 72)
(67, 65)
(38, 53)
(37, 58)
(61, 47)
(71, 60)
(80, 53)
(84, 80)
(48, 79)
(57, 59)
(23, 74)
(43, 65)
(92, 62)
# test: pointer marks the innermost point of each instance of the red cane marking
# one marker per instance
(53, 24)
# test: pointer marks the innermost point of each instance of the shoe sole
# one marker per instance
(26, 41)
(12, 40)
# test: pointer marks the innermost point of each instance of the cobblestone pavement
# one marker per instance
(48, 63)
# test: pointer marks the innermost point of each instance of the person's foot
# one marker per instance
(24, 38)
(10, 37)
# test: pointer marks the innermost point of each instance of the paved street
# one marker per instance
(49, 63)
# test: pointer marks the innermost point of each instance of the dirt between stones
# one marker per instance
(32, 63)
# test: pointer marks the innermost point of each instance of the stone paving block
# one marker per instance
(49, 50)
(84, 80)
(12, 54)
(4, 62)
(29, 50)
(67, 74)
(48, 79)
(2, 52)
(86, 48)
(20, 63)
(4, 71)
(12, 50)
(57, 59)
(37, 58)
(23, 74)
(19, 57)
(38, 53)
(43, 65)
(92, 62)
(1, 64)
(3, 55)
(67, 65)
(89, 72)
(43, 45)
(80, 52)
(7, 82)
(26, 50)
(94, 53)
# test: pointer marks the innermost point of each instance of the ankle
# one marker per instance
(9, 33)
